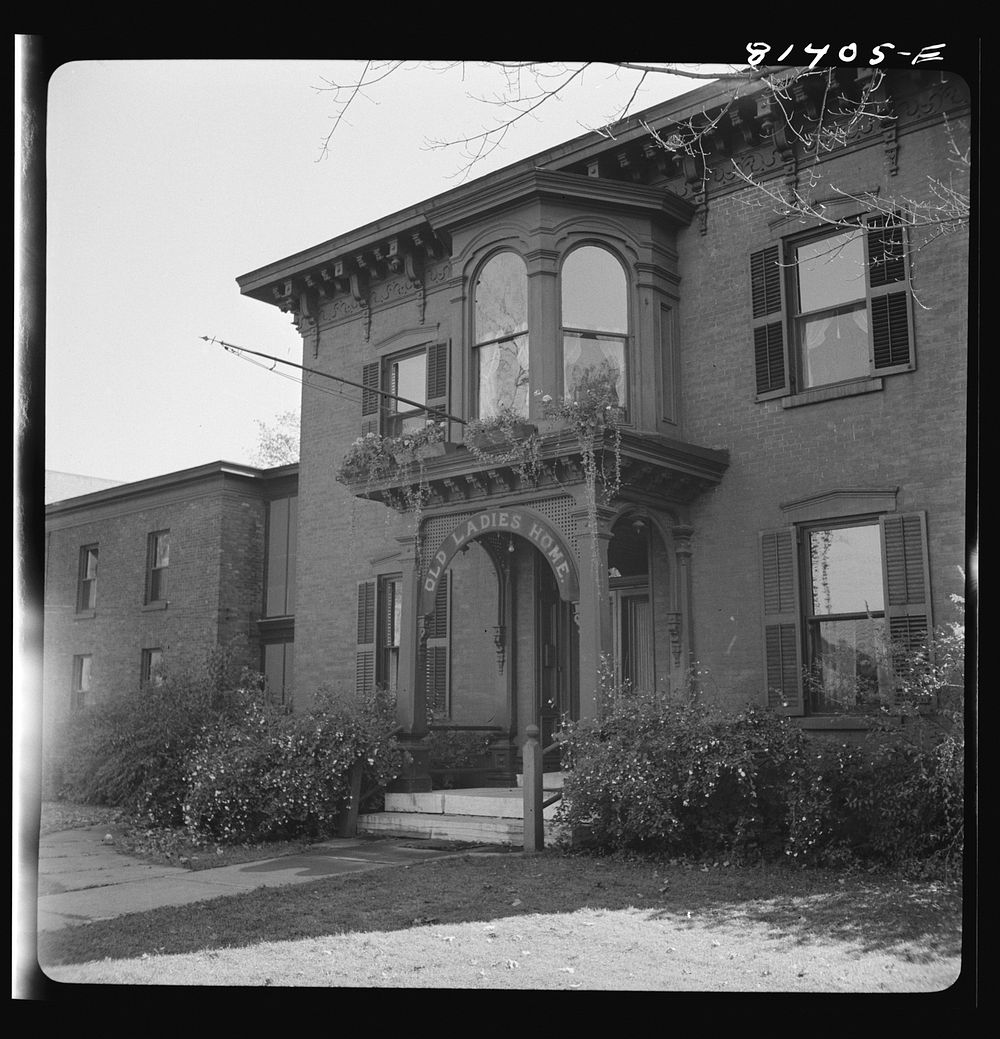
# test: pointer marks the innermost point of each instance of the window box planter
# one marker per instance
(497, 439)
(425, 451)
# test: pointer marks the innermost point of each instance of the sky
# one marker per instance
(167, 179)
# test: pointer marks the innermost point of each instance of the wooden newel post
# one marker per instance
(531, 756)
(347, 823)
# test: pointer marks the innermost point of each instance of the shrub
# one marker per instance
(451, 751)
(269, 775)
(670, 776)
(209, 751)
(130, 749)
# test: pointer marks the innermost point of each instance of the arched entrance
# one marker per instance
(532, 620)
(516, 522)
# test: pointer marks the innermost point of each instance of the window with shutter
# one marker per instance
(889, 297)
(438, 650)
(390, 615)
(419, 377)
(767, 302)
(906, 584)
(862, 598)
(847, 312)
(365, 658)
(370, 401)
(437, 377)
(782, 652)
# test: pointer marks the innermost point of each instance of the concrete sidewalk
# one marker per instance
(82, 879)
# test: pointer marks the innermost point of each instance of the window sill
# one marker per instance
(827, 722)
(85, 615)
(842, 389)
(160, 604)
(860, 722)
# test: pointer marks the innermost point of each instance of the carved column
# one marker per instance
(594, 614)
(411, 696)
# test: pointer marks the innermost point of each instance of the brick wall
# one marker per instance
(910, 435)
(214, 582)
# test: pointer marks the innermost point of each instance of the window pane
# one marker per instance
(503, 376)
(501, 298)
(846, 664)
(161, 555)
(409, 379)
(594, 292)
(846, 565)
(81, 675)
(831, 271)
(835, 347)
(594, 363)
(90, 564)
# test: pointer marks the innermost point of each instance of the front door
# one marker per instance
(558, 646)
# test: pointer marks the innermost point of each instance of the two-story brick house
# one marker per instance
(789, 467)
(154, 574)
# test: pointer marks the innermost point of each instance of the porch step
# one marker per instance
(475, 829)
(490, 802)
(481, 815)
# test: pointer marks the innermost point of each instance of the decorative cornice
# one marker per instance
(492, 193)
(838, 504)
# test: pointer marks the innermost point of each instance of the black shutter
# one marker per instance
(782, 648)
(437, 379)
(767, 302)
(906, 582)
(371, 377)
(439, 649)
(365, 658)
(888, 297)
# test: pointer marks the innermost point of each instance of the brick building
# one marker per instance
(789, 471)
(156, 573)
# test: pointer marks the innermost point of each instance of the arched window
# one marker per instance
(501, 335)
(594, 324)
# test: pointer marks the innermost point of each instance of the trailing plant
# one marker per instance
(592, 412)
(368, 460)
(506, 438)
(374, 458)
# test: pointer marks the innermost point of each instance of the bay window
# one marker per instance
(501, 336)
(594, 325)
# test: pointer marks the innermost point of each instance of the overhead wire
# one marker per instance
(377, 391)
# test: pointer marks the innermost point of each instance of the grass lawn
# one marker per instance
(552, 921)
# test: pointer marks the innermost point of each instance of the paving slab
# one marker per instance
(82, 879)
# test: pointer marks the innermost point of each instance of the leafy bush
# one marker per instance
(209, 751)
(451, 751)
(671, 776)
(129, 750)
(269, 775)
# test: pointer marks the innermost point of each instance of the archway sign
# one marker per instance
(521, 522)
